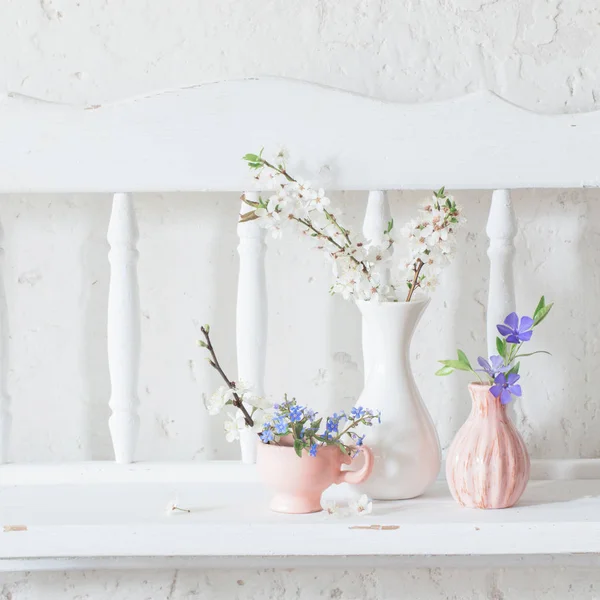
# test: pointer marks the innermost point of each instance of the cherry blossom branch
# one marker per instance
(340, 248)
(329, 215)
(214, 363)
(357, 263)
(415, 282)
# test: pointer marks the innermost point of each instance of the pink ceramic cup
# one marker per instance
(298, 483)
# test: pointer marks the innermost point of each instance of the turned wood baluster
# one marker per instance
(377, 217)
(251, 314)
(501, 230)
(123, 328)
(5, 415)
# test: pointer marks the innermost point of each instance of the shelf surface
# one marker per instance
(120, 524)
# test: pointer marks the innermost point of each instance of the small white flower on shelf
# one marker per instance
(361, 506)
(331, 507)
(173, 508)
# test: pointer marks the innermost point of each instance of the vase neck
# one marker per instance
(484, 404)
(391, 325)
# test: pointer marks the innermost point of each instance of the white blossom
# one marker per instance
(219, 399)
(282, 155)
(257, 401)
(431, 238)
(331, 507)
(361, 506)
(233, 425)
(320, 201)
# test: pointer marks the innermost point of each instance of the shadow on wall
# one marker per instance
(94, 300)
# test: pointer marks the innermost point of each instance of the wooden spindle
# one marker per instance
(5, 415)
(377, 216)
(123, 328)
(501, 230)
(251, 314)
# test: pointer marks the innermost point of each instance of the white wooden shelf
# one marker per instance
(112, 523)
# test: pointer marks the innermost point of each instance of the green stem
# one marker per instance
(513, 352)
(477, 375)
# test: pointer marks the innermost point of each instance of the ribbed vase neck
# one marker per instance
(484, 404)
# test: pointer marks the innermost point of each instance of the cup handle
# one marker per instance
(356, 477)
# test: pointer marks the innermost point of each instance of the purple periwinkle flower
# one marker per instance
(505, 386)
(492, 367)
(514, 331)
(313, 450)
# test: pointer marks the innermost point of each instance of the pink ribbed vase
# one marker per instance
(487, 464)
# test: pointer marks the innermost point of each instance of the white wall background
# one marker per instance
(540, 54)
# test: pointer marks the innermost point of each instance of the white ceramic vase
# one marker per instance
(405, 445)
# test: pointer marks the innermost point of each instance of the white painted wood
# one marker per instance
(123, 328)
(5, 414)
(501, 230)
(128, 563)
(251, 315)
(377, 216)
(192, 139)
(558, 519)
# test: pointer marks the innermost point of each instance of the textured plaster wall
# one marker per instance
(543, 55)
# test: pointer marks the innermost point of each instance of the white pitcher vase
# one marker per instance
(405, 445)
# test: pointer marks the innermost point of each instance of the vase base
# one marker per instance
(394, 497)
(484, 507)
(390, 495)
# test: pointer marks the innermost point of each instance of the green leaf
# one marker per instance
(455, 364)
(515, 368)
(251, 158)
(463, 359)
(501, 347)
(539, 307)
(390, 226)
(542, 314)
(298, 446)
(342, 447)
(297, 430)
(447, 370)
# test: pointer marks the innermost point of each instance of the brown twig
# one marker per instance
(214, 363)
(415, 282)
